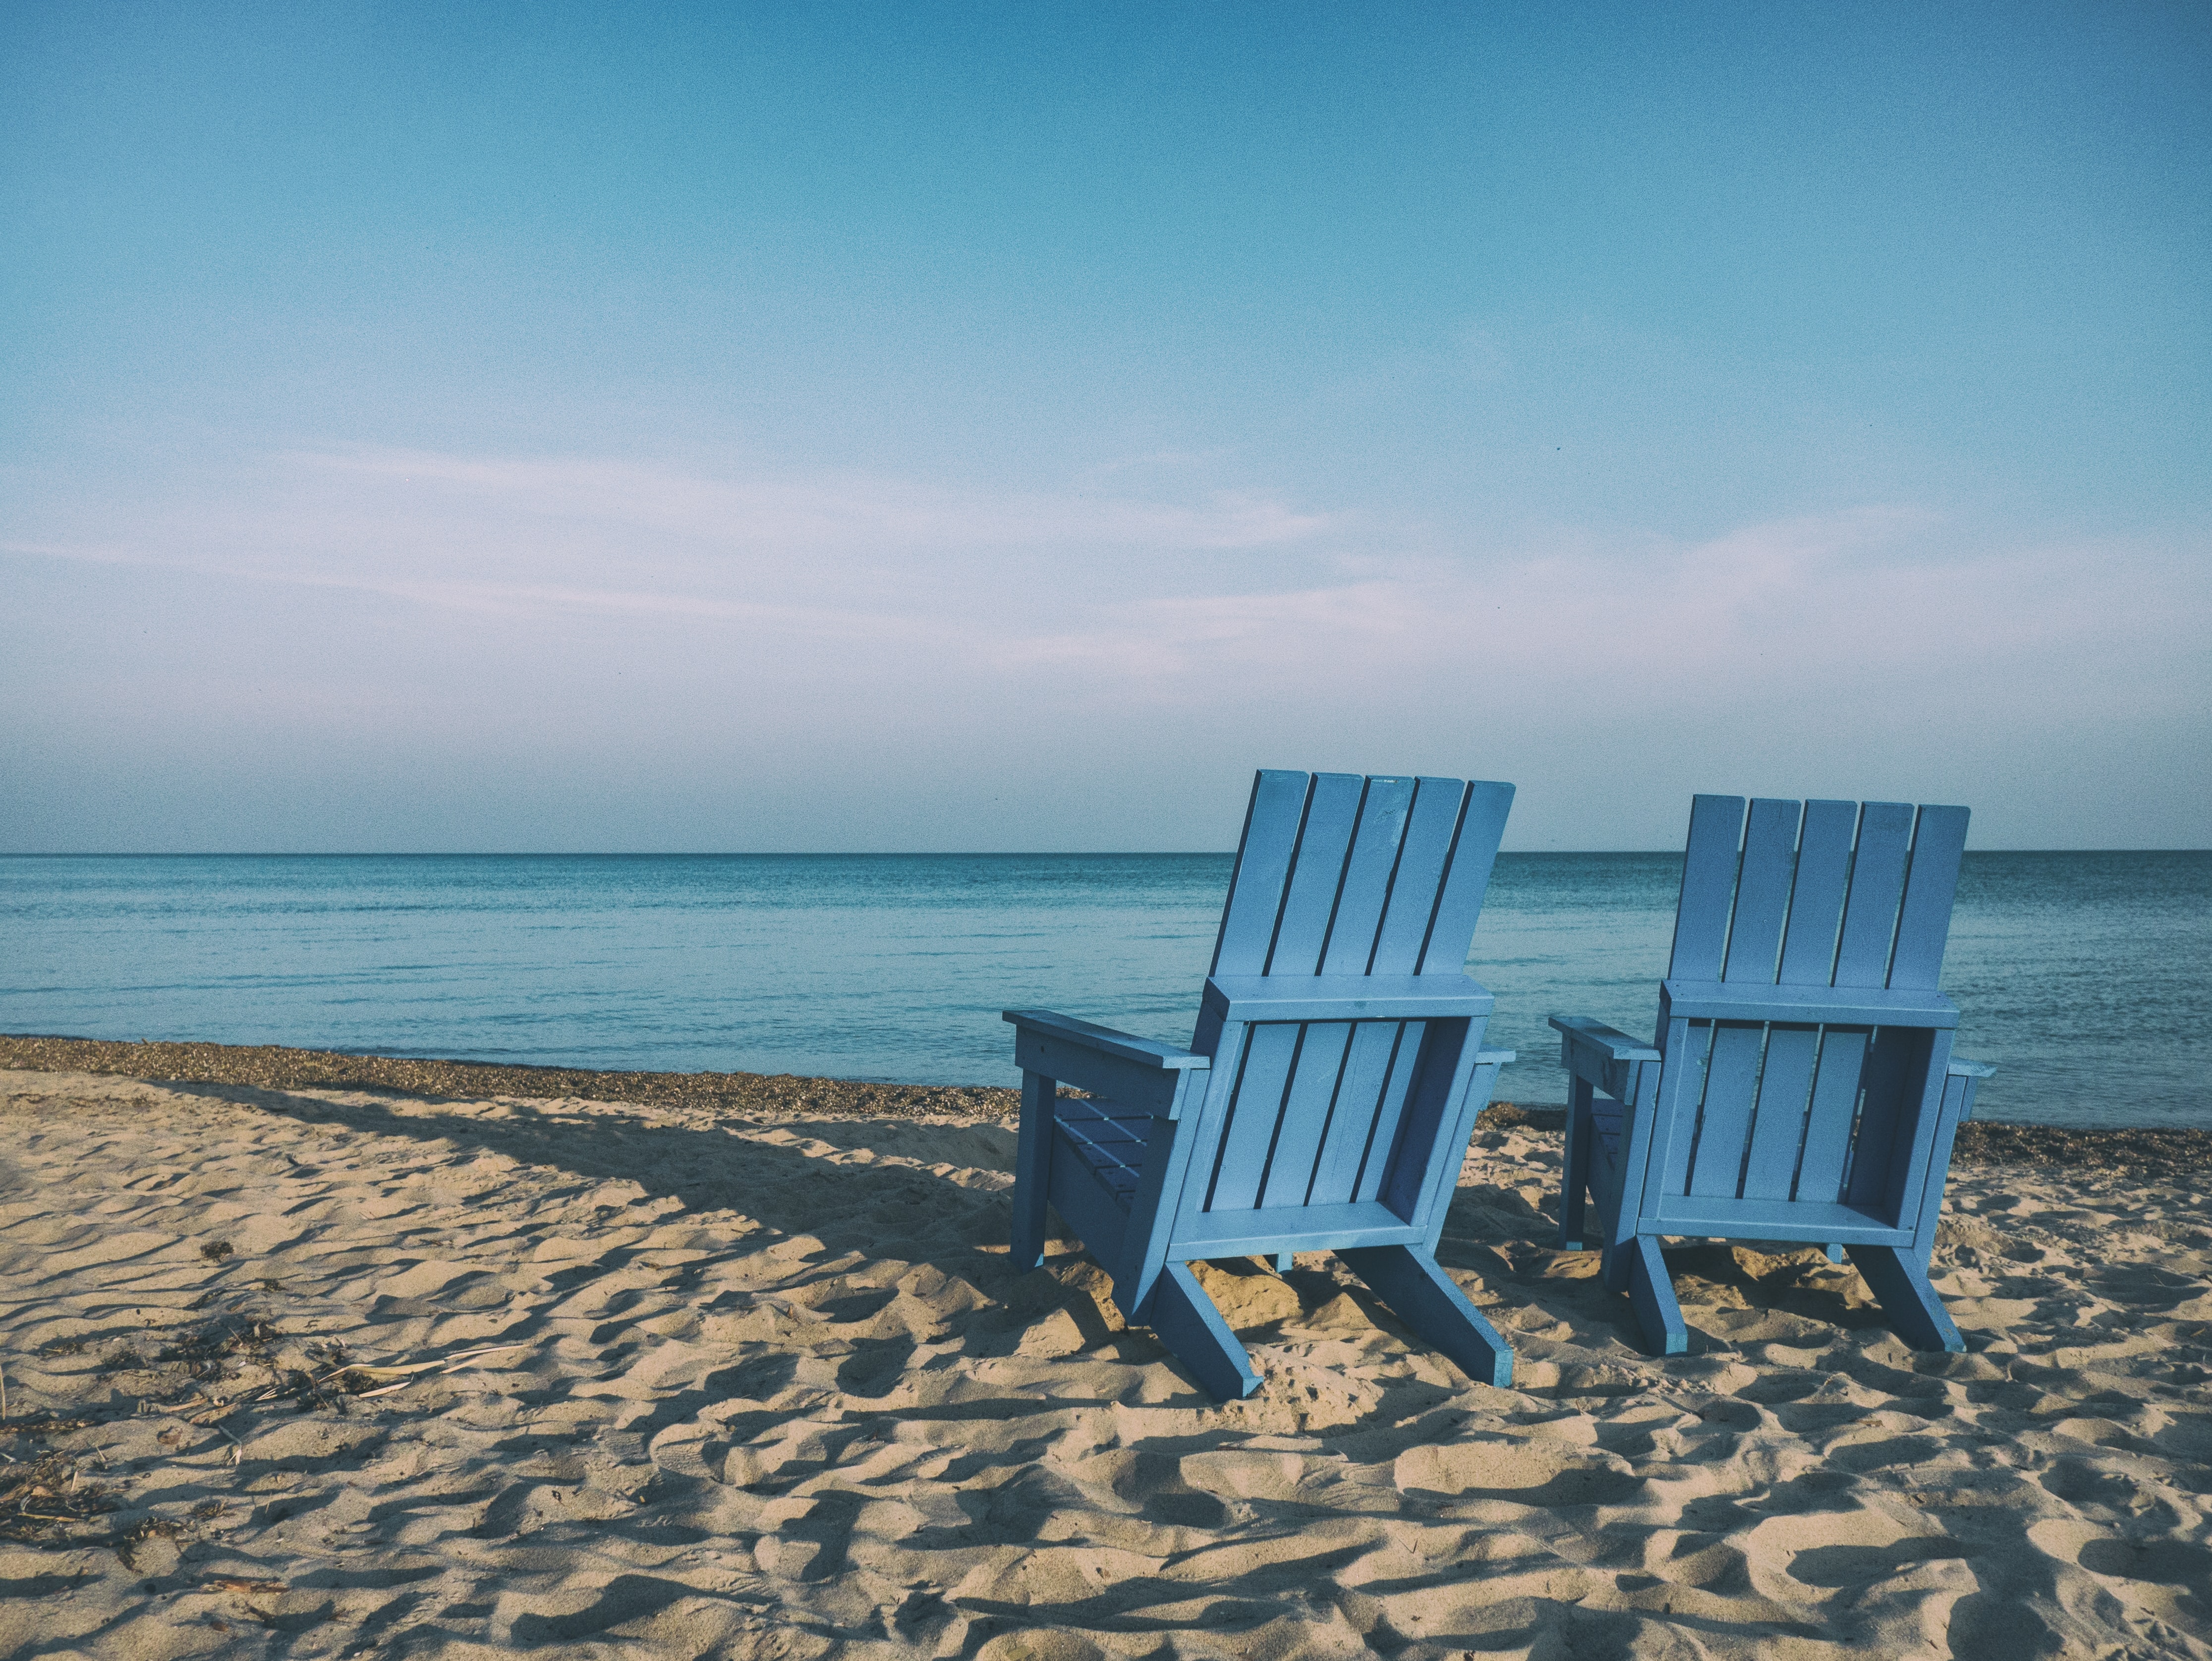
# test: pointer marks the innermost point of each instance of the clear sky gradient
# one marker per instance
(972, 427)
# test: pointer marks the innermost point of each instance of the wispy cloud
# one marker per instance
(1866, 602)
(595, 618)
(1218, 600)
(828, 511)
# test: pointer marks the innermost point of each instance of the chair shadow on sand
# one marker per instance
(701, 1462)
(958, 1229)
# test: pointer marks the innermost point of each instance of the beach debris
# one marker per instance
(47, 1495)
(126, 1544)
(389, 1379)
(250, 1588)
(51, 1424)
(212, 1355)
(790, 1307)
(270, 1066)
(215, 1250)
(237, 1447)
(204, 1350)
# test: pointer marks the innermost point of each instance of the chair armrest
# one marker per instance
(1599, 1054)
(1348, 997)
(1104, 1039)
(1609, 1041)
(1974, 1072)
(1154, 1078)
(1493, 1057)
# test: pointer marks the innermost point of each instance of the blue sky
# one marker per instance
(1003, 427)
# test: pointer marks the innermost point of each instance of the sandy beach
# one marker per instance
(305, 1358)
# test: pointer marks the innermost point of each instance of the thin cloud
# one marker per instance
(826, 511)
(1773, 613)
(1104, 600)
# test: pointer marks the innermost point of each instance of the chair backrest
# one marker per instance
(1817, 893)
(1340, 875)
(1845, 908)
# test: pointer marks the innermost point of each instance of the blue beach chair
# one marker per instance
(1326, 1101)
(1801, 1086)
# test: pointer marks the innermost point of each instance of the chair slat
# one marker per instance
(1607, 1120)
(1762, 893)
(1923, 923)
(1731, 1086)
(1877, 883)
(1390, 1112)
(1674, 1173)
(1891, 1080)
(1432, 825)
(1911, 1154)
(1112, 1146)
(1451, 929)
(1263, 866)
(1829, 1120)
(1367, 1065)
(1317, 875)
(1313, 1086)
(1608, 1124)
(1709, 868)
(1778, 1129)
(1816, 902)
(1252, 1114)
(1104, 1123)
(1367, 874)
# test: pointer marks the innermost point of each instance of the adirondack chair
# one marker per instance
(1801, 1085)
(1327, 1095)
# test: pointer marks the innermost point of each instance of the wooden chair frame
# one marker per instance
(1327, 1095)
(1800, 1083)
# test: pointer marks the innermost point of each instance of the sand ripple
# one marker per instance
(687, 1383)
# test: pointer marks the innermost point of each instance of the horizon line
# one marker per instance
(830, 854)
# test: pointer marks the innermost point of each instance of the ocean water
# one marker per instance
(2081, 976)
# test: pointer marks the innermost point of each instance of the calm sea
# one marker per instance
(2082, 975)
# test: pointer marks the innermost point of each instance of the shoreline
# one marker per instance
(280, 1067)
(277, 1066)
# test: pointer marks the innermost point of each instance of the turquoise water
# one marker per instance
(2082, 975)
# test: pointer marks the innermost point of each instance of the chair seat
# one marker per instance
(1108, 1138)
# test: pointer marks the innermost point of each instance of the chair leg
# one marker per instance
(1835, 1254)
(1194, 1331)
(1032, 1170)
(1425, 1298)
(1574, 1168)
(1282, 1260)
(1618, 1261)
(1617, 1256)
(1651, 1289)
(1617, 1218)
(1900, 1285)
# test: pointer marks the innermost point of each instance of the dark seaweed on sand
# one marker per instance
(270, 1066)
